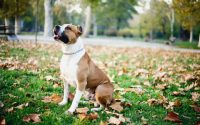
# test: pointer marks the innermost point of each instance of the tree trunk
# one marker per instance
(86, 29)
(48, 24)
(7, 23)
(191, 34)
(199, 41)
(17, 25)
(172, 23)
(94, 26)
(151, 35)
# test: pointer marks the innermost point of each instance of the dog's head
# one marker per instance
(67, 33)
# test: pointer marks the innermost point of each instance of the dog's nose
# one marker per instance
(56, 29)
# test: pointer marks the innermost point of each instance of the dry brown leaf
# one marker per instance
(152, 102)
(137, 90)
(141, 71)
(188, 77)
(56, 98)
(49, 78)
(171, 105)
(22, 106)
(2, 121)
(90, 116)
(195, 96)
(144, 121)
(103, 123)
(159, 75)
(175, 93)
(70, 96)
(196, 108)
(46, 99)
(114, 121)
(56, 85)
(126, 104)
(191, 86)
(171, 116)
(10, 109)
(53, 98)
(35, 118)
(117, 106)
(82, 110)
(161, 86)
(1, 104)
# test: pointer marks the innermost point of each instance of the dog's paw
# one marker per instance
(62, 103)
(69, 112)
(97, 109)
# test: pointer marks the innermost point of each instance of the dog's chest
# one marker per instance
(68, 67)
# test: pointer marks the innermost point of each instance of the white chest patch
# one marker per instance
(69, 63)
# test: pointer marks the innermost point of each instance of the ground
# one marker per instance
(150, 84)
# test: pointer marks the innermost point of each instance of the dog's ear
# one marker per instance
(80, 30)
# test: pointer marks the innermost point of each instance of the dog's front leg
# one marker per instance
(79, 92)
(66, 93)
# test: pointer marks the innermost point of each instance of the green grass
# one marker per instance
(28, 84)
(187, 44)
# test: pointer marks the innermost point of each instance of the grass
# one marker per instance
(24, 67)
(187, 44)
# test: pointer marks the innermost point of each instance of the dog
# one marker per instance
(79, 71)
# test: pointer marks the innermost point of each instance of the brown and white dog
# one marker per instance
(78, 70)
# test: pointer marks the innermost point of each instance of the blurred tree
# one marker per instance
(13, 9)
(188, 14)
(155, 19)
(48, 20)
(106, 11)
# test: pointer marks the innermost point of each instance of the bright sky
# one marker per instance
(145, 5)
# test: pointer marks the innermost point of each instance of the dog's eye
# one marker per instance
(68, 28)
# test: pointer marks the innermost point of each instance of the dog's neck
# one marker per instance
(71, 49)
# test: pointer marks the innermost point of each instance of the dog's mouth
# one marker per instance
(56, 33)
(56, 37)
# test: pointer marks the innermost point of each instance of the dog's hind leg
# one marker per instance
(103, 94)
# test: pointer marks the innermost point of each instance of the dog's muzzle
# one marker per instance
(56, 31)
(59, 36)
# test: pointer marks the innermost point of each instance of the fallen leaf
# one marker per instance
(55, 85)
(152, 102)
(116, 106)
(1, 104)
(161, 86)
(49, 78)
(144, 121)
(35, 118)
(171, 116)
(175, 93)
(159, 75)
(2, 121)
(196, 108)
(171, 105)
(103, 123)
(114, 120)
(9, 109)
(137, 90)
(70, 96)
(126, 104)
(53, 98)
(188, 77)
(90, 116)
(46, 99)
(195, 96)
(82, 110)
(22, 106)
(56, 98)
